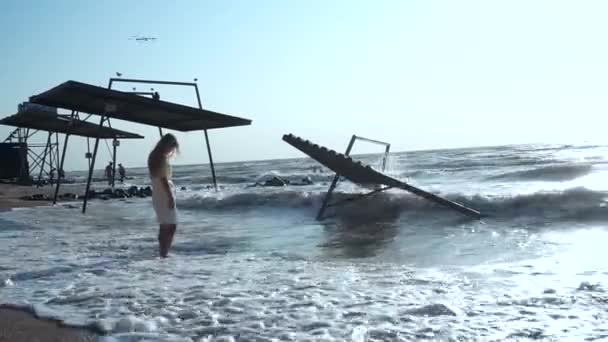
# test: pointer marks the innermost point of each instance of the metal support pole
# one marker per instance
(200, 106)
(86, 193)
(57, 152)
(65, 147)
(113, 162)
(130, 80)
(211, 160)
(384, 160)
(160, 131)
(334, 183)
(88, 152)
(198, 97)
(48, 142)
(25, 171)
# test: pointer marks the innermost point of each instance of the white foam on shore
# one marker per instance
(254, 265)
(261, 298)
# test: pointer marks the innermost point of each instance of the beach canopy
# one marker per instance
(86, 98)
(45, 121)
(131, 106)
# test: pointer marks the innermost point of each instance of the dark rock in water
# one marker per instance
(147, 191)
(105, 197)
(305, 181)
(531, 334)
(132, 191)
(107, 191)
(68, 196)
(92, 194)
(36, 197)
(183, 188)
(120, 193)
(586, 286)
(431, 310)
(276, 181)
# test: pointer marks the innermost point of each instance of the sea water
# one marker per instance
(252, 263)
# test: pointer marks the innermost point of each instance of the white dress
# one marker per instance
(160, 199)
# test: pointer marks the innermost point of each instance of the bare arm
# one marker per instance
(155, 165)
(165, 183)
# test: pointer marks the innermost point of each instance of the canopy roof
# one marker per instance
(116, 104)
(45, 121)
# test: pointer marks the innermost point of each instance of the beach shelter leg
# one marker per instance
(57, 160)
(65, 146)
(385, 158)
(114, 143)
(334, 183)
(88, 152)
(211, 160)
(86, 192)
(200, 106)
(46, 148)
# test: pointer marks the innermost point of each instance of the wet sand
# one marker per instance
(18, 325)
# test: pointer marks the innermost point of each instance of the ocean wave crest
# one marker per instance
(575, 203)
(555, 173)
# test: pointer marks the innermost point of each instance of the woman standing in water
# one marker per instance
(163, 190)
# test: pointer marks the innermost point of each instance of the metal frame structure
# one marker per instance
(39, 159)
(336, 179)
(31, 121)
(365, 175)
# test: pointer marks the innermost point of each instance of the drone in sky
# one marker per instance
(139, 38)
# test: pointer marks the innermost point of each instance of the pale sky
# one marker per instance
(419, 74)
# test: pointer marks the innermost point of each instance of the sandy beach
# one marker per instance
(18, 325)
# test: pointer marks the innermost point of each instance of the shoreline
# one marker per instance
(21, 325)
(10, 195)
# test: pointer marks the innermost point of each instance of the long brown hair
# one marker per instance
(168, 141)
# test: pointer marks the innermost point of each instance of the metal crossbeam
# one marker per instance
(326, 201)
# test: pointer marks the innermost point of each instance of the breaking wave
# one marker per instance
(555, 173)
(579, 204)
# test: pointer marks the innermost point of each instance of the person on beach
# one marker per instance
(163, 190)
(109, 172)
(122, 172)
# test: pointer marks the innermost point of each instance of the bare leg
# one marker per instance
(170, 233)
(165, 238)
(162, 238)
